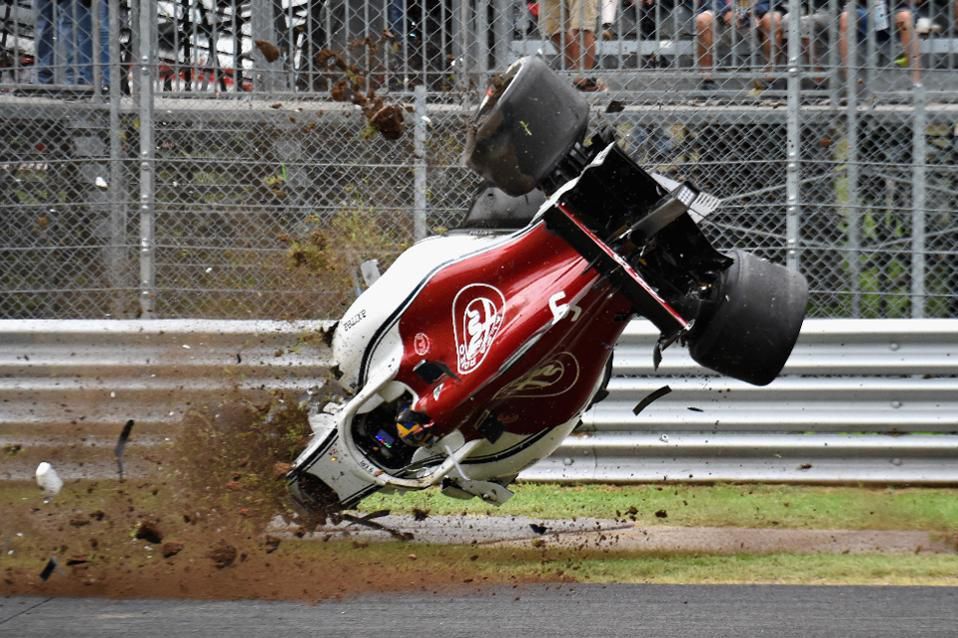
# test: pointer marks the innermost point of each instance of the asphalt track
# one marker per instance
(579, 611)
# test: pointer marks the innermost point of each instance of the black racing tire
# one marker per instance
(528, 122)
(749, 331)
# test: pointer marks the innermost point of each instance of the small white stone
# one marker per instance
(48, 480)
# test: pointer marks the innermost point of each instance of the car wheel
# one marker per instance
(748, 329)
(528, 121)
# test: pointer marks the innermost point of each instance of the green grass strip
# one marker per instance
(722, 505)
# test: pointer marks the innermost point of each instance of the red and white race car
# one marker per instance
(477, 352)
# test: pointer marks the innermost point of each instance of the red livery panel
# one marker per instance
(497, 318)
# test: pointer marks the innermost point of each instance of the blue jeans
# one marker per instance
(396, 18)
(70, 22)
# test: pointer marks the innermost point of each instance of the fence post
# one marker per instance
(919, 177)
(871, 42)
(502, 28)
(419, 157)
(460, 42)
(834, 59)
(481, 18)
(854, 207)
(147, 162)
(261, 26)
(95, 45)
(793, 139)
(116, 259)
(135, 43)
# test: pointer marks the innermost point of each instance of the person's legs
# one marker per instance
(813, 28)
(815, 36)
(552, 17)
(395, 17)
(568, 46)
(44, 48)
(861, 14)
(904, 24)
(645, 16)
(704, 39)
(583, 15)
(75, 32)
(610, 9)
(103, 15)
(770, 28)
(585, 45)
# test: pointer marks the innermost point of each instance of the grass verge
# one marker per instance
(723, 505)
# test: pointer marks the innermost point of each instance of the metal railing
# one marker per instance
(869, 401)
(299, 46)
(237, 160)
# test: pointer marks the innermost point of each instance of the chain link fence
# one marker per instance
(240, 159)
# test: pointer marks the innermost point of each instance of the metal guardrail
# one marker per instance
(871, 401)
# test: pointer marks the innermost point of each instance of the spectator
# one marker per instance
(570, 24)
(765, 15)
(648, 14)
(904, 25)
(70, 22)
(814, 28)
(610, 8)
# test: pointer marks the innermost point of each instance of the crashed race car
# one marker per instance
(476, 353)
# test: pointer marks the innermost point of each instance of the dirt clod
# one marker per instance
(615, 106)
(171, 549)
(661, 514)
(222, 554)
(341, 91)
(148, 530)
(269, 50)
(271, 543)
(389, 121)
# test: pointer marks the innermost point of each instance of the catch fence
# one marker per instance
(240, 159)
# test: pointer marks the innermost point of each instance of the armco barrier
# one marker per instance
(871, 401)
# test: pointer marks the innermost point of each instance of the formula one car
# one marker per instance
(476, 353)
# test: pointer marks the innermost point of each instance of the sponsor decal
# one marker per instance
(352, 321)
(477, 314)
(554, 377)
(368, 467)
(437, 392)
(421, 343)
